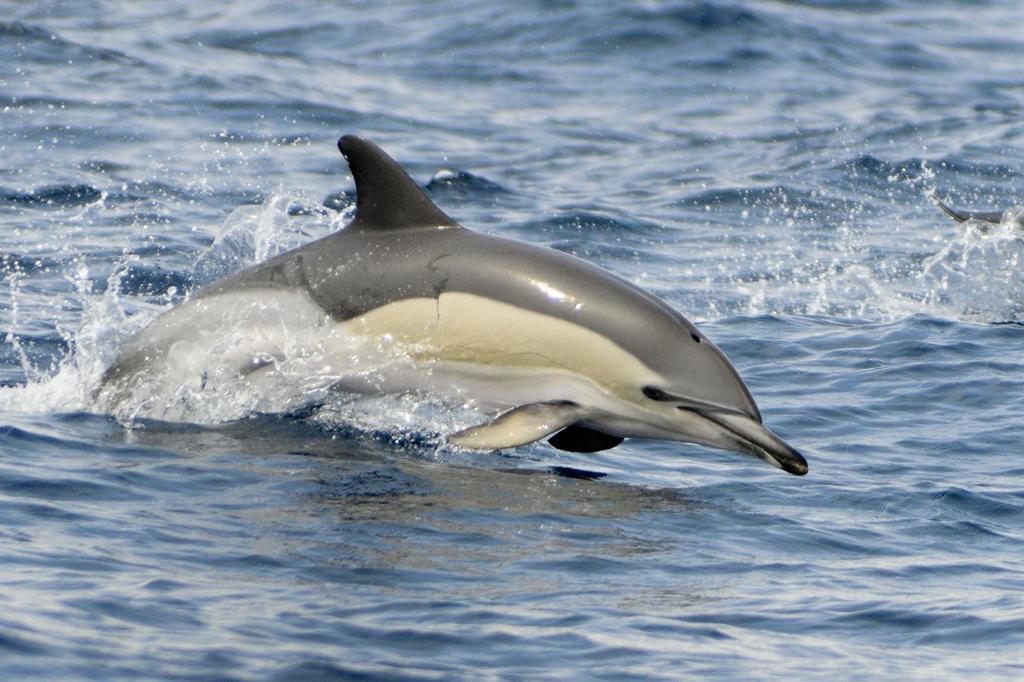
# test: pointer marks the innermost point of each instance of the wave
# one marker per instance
(576, 223)
(50, 46)
(451, 181)
(53, 195)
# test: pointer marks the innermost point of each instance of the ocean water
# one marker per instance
(770, 168)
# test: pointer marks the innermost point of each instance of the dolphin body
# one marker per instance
(557, 347)
(992, 217)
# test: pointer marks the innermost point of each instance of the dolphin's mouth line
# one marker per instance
(752, 437)
(707, 409)
(683, 402)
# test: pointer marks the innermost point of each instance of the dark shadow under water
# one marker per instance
(389, 481)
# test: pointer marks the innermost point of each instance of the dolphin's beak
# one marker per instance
(745, 434)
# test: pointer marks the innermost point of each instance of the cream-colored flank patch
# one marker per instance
(464, 328)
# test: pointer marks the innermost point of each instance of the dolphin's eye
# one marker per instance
(695, 336)
(655, 393)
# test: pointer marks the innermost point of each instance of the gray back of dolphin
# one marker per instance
(401, 246)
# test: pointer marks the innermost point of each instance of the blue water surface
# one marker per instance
(767, 167)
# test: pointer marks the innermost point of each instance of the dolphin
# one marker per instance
(551, 346)
(993, 217)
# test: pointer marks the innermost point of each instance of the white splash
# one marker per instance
(254, 233)
(977, 275)
(67, 385)
(248, 235)
(969, 272)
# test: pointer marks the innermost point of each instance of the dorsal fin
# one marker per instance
(386, 197)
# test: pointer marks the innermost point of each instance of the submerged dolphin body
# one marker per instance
(559, 347)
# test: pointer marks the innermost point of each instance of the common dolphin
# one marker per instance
(993, 217)
(556, 347)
